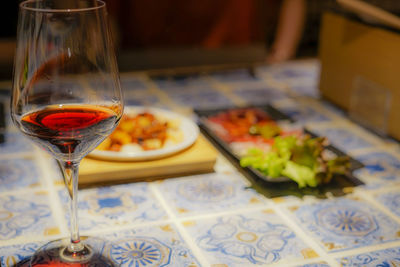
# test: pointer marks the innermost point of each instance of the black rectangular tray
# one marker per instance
(338, 186)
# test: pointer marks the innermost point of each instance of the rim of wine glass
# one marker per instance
(24, 6)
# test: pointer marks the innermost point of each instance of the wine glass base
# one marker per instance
(56, 253)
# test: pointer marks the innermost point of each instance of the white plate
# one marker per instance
(189, 129)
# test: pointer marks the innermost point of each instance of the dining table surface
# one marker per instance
(217, 218)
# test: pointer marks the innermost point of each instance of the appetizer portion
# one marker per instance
(302, 159)
(141, 132)
(245, 128)
(278, 149)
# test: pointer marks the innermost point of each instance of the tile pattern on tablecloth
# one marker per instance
(258, 95)
(345, 223)
(208, 193)
(129, 83)
(21, 253)
(136, 93)
(139, 98)
(302, 113)
(319, 264)
(390, 199)
(193, 92)
(306, 88)
(384, 167)
(300, 77)
(176, 84)
(15, 142)
(299, 70)
(55, 173)
(18, 173)
(382, 258)
(202, 211)
(370, 182)
(160, 245)
(248, 239)
(116, 205)
(201, 98)
(27, 215)
(343, 138)
(235, 76)
(332, 108)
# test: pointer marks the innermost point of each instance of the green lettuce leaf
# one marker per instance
(298, 158)
(284, 146)
(302, 175)
(269, 164)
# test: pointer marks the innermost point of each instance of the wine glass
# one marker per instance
(67, 98)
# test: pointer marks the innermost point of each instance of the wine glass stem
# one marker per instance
(70, 172)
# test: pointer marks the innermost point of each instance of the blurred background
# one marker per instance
(190, 34)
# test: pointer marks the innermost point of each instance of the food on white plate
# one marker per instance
(141, 132)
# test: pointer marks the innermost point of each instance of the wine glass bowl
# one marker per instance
(69, 131)
(66, 97)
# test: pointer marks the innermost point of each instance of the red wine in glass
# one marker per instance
(69, 131)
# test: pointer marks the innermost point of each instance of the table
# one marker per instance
(212, 219)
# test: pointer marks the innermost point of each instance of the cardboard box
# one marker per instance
(361, 62)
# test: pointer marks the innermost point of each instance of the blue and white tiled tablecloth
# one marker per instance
(214, 219)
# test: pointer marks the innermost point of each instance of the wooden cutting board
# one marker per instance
(199, 158)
